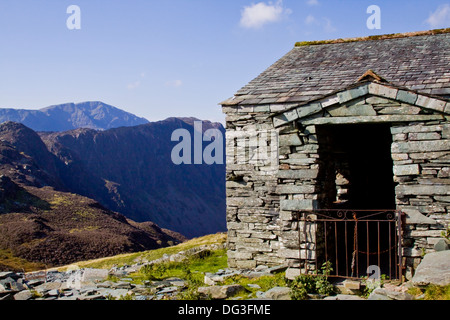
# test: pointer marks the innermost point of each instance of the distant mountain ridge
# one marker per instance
(42, 220)
(128, 170)
(107, 185)
(69, 116)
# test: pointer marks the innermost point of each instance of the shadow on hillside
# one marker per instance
(14, 198)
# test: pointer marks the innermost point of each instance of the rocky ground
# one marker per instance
(117, 283)
(96, 284)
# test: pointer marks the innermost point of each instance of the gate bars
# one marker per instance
(352, 240)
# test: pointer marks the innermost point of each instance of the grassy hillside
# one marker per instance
(42, 227)
(149, 255)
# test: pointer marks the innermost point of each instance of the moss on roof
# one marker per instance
(374, 37)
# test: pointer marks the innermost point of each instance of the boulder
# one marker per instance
(378, 294)
(91, 274)
(389, 294)
(434, 269)
(221, 292)
(278, 293)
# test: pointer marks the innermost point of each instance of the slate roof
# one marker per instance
(417, 61)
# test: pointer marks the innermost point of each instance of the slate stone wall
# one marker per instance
(263, 201)
(252, 201)
(421, 154)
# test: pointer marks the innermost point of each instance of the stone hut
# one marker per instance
(340, 152)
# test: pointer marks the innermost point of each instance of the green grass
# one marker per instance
(149, 255)
(213, 263)
(88, 228)
(192, 268)
(431, 292)
(264, 282)
(59, 200)
(10, 262)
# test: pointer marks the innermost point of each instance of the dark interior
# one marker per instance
(362, 155)
(355, 173)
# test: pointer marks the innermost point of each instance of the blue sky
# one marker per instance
(159, 59)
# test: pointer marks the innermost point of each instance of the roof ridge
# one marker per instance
(374, 37)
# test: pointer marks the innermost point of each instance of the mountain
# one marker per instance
(128, 170)
(24, 157)
(56, 228)
(69, 116)
(41, 221)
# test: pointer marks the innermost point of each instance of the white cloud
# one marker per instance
(174, 83)
(310, 19)
(259, 14)
(312, 3)
(440, 18)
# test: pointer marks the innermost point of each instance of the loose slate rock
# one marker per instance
(378, 295)
(122, 285)
(434, 269)
(278, 293)
(8, 274)
(221, 292)
(23, 295)
(168, 290)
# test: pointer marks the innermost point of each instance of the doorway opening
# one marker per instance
(356, 187)
(356, 168)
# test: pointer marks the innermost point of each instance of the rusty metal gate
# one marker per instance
(354, 241)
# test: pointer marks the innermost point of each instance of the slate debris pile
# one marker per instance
(97, 284)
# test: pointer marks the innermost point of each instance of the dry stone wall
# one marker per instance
(252, 201)
(421, 154)
(264, 200)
